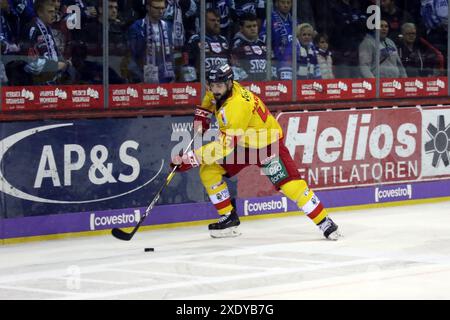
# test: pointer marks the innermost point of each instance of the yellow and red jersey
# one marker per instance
(243, 120)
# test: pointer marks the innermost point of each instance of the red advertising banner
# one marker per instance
(186, 93)
(52, 97)
(413, 87)
(18, 98)
(121, 96)
(336, 89)
(347, 148)
(149, 95)
(271, 91)
(85, 97)
(32, 98)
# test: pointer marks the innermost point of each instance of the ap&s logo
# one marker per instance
(66, 164)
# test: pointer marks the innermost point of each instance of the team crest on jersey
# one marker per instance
(257, 50)
(215, 46)
(224, 118)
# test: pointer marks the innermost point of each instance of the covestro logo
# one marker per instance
(265, 206)
(107, 222)
(386, 194)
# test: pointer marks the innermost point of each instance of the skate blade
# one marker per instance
(334, 235)
(225, 233)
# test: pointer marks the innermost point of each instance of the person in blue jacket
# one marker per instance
(282, 37)
(150, 43)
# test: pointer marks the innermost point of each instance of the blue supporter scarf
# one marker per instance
(174, 14)
(308, 66)
(282, 35)
(164, 59)
(51, 51)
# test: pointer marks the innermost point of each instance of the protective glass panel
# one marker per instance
(51, 54)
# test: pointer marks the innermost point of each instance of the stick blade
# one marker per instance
(121, 235)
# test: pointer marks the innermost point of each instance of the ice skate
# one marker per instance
(330, 229)
(226, 227)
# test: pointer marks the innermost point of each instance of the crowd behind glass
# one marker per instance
(47, 42)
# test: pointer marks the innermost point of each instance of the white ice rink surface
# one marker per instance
(387, 253)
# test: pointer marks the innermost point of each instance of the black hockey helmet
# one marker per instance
(221, 73)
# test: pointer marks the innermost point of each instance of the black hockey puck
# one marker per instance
(149, 249)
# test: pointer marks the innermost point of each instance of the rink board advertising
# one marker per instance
(90, 175)
(49, 167)
(336, 89)
(147, 95)
(345, 149)
(166, 214)
(32, 98)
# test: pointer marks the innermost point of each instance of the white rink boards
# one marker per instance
(398, 252)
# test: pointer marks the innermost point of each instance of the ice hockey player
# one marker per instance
(249, 134)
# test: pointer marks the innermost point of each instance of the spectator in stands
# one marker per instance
(307, 64)
(118, 50)
(11, 68)
(88, 8)
(14, 15)
(150, 43)
(131, 10)
(92, 36)
(217, 49)
(419, 58)
(93, 33)
(324, 56)
(59, 28)
(395, 17)
(435, 16)
(58, 9)
(181, 14)
(117, 39)
(390, 63)
(246, 7)
(22, 9)
(89, 30)
(346, 26)
(281, 38)
(226, 10)
(177, 11)
(5, 38)
(9, 39)
(84, 72)
(45, 63)
(89, 72)
(249, 52)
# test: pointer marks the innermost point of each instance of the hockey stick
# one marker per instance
(122, 235)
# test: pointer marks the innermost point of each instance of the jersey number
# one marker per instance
(262, 111)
